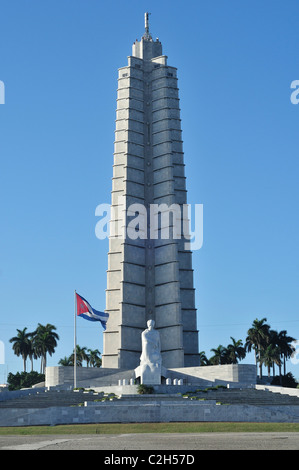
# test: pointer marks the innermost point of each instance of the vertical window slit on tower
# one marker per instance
(148, 133)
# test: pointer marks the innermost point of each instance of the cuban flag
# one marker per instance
(85, 310)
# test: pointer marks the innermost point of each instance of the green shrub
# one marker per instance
(145, 389)
(287, 380)
(24, 380)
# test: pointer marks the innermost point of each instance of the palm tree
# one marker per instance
(45, 341)
(66, 361)
(204, 361)
(80, 356)
(84, 355)
(274, 342)
(235, 351)
(277, 361)
(285, 346)
(21, 344)
(219, 355)
(94, 358)
(258, 338)
(270, 356)
(32, 352)
(282, 342)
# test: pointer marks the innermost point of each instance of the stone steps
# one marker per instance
(248, 396)
(65, 398)
(51, 398)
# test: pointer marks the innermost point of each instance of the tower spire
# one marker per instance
(146, 26)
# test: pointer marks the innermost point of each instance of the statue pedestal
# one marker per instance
(149, 374)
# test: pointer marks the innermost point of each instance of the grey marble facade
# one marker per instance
(148, 277)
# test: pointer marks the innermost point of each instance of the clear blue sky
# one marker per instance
(236, 61)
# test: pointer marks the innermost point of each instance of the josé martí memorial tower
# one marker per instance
(149, 276)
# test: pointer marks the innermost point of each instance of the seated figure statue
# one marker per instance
(150, 359)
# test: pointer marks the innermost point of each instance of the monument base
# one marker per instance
(235, 375)
(150, 375)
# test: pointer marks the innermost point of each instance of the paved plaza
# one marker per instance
(179, 442)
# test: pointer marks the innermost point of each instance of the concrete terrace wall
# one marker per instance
(276, 389)
(152, 411)
(233, 374)
(59, 375)
(11, 395)
(227, 373)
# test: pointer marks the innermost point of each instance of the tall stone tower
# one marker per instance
(149, 276)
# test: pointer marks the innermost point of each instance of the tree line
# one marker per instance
(35, 344)
(92, 358)
(271, 348)
(42, 341)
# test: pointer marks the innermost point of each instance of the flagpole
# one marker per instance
(75, 343)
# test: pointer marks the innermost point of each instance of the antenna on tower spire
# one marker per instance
(146, 25)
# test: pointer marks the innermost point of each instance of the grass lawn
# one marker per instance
(128, 428)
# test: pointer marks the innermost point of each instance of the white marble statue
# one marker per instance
(151, 348)
(149, 370)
